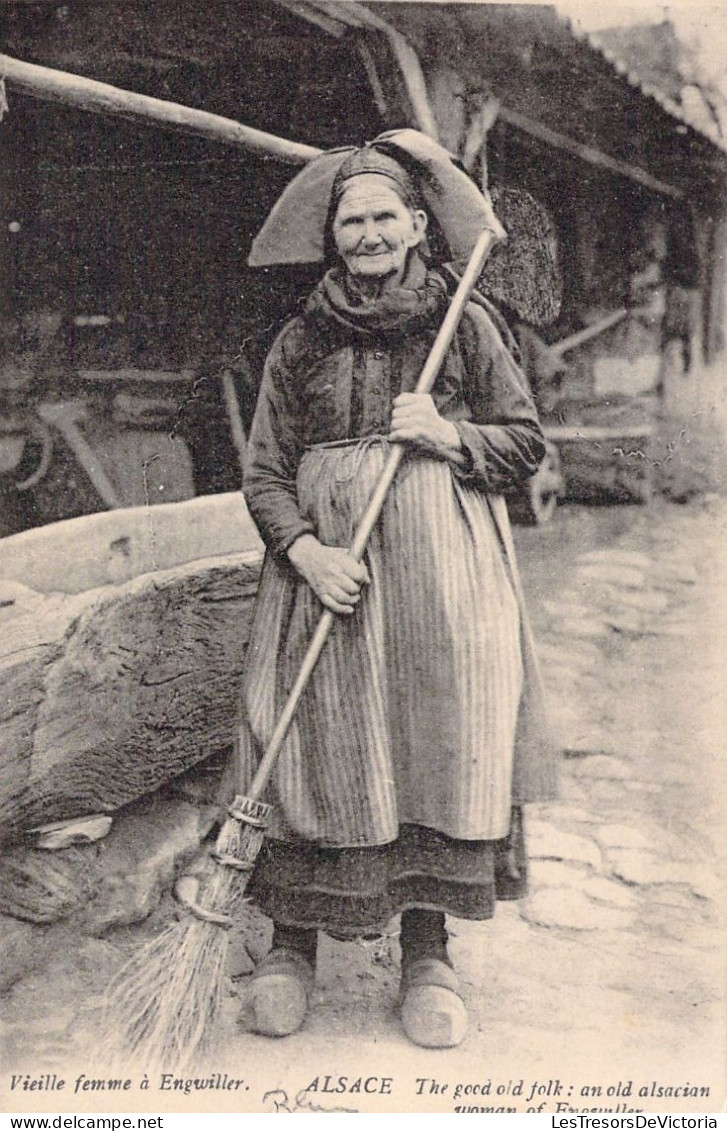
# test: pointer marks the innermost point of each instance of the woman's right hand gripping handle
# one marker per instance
(333, 575)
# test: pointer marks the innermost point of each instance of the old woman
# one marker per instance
(400, 785)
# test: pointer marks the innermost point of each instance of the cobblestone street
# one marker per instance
(612, 969)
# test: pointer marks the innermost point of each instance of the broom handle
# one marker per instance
(370, 516)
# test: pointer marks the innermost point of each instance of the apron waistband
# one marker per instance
(350, 442)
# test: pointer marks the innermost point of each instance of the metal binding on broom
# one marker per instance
(163, 1005)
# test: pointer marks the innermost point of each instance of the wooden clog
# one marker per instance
(278, 994)
(432, 1011)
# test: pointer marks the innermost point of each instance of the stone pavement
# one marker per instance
(614, 964)
(624, 941)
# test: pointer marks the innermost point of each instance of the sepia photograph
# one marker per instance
(363, 557)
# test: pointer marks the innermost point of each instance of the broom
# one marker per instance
(163, 1005)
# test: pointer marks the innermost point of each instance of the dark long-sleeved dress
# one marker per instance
(419, 734)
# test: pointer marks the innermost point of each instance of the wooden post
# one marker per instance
(475, 142)
(232, 405)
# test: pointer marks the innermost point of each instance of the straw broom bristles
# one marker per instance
(162, 1007)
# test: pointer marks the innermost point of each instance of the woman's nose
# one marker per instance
(371, 231)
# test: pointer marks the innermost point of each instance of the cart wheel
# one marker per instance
(536, 502)
(543, 502)
(40, 436)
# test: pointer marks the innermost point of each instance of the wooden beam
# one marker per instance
(585, 335)
(299, 8)
(404, 55)
(367, 57)
(110, 693)
(180, 376)
(101, 98)
(588, 153)
(595, 433)
(114, 546)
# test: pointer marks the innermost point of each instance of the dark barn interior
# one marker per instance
(127, 246)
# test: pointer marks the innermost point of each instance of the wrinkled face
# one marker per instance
(374, 230)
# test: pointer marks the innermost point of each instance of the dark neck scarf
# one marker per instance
(419, 302)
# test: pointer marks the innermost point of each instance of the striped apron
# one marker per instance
(410, 715)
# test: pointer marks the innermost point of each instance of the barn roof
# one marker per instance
(655, 78)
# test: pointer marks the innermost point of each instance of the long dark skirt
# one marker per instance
(353, 891)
